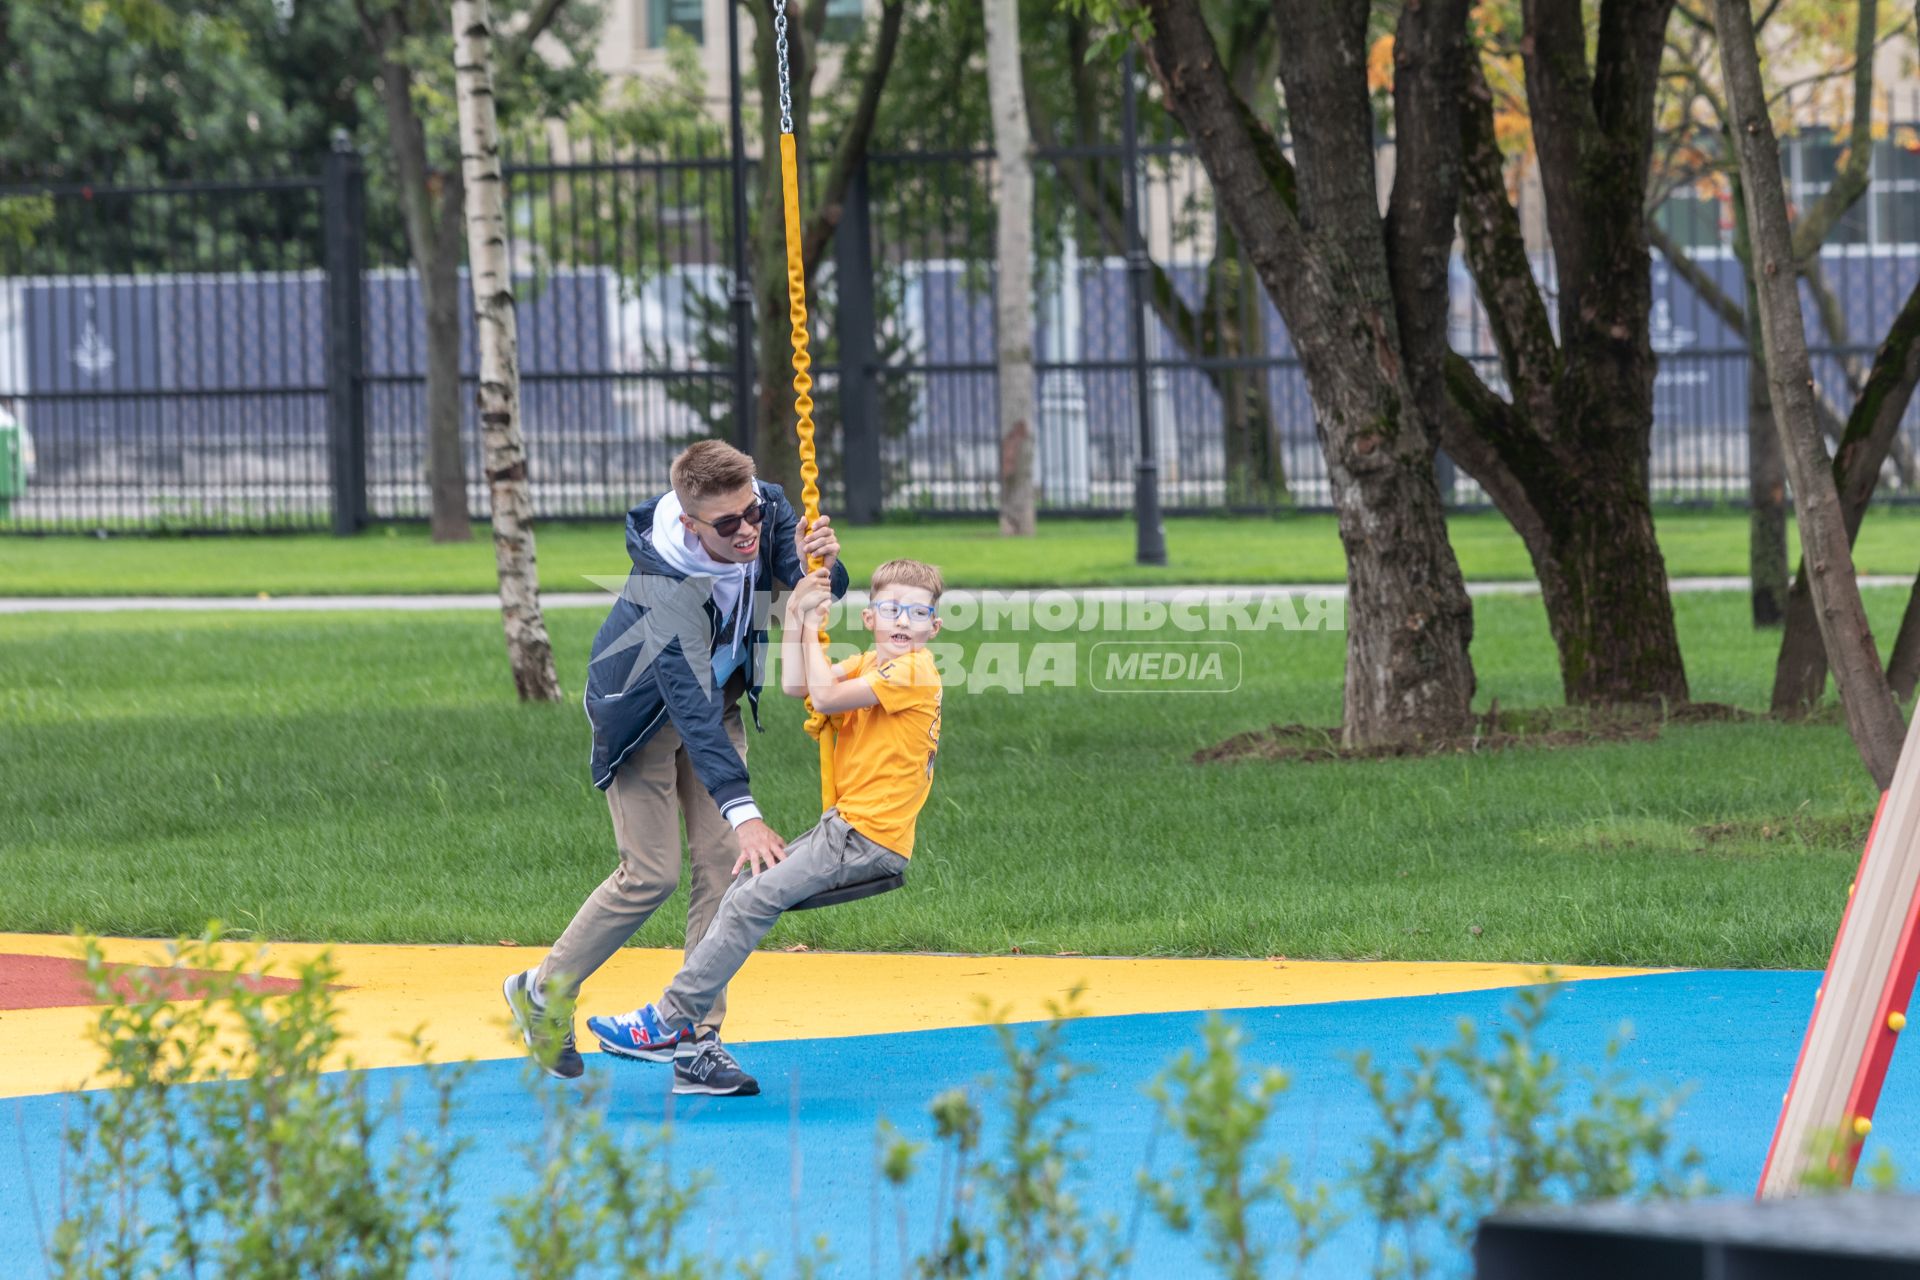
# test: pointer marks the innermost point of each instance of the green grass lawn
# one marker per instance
(368, 777)
(1299, 548)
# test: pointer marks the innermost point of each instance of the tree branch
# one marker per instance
(1873, 428)
(1471, 422)
(1872, 716)
(1323, 71)
(859, 132)
(1730, 312)
(1431, 52)
(1814, 226)
(519, 45)
(1497, 252)
(1100, 201)
(1244, 157)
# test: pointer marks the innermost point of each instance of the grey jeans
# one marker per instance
(828, 856)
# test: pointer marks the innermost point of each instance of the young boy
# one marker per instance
(885, 706)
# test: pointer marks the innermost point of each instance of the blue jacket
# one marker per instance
(652, 658)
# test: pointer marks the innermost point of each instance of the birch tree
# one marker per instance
(529, 651)
(409, 64)
(1013, 251)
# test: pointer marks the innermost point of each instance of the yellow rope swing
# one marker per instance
(819, 725)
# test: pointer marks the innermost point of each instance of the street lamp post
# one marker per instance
(1150, 545)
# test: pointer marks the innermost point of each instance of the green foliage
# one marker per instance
(229, 1145)
(601, 1202)
(1466, 1129)
(233, 1143)
(1220, 1113)
(222, 1149)
(1472, 1128)
(137, 88)
(21, 217)
(1011, 1210)
(1125, 22)
(1834, 1166)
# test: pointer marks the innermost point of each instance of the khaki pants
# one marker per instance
(651, 792)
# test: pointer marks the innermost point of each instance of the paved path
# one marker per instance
(599, 599)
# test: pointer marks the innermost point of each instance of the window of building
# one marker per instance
(1692, 220)
(684, 15)
(1894, 197)
(843, 19)
(1812, 163)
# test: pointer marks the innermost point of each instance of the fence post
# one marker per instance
(859, 402)
(344, 228)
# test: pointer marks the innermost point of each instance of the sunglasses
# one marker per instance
(890, 611)
(727, 526)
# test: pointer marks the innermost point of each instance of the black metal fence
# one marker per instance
(251, 355)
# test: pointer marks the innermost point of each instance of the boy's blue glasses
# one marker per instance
(890, 611)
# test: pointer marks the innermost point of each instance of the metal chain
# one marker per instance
(780, 64)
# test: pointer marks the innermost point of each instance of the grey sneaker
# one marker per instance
(541, 1031)
(705, 1067)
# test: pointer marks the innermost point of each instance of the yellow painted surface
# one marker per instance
(453, 995)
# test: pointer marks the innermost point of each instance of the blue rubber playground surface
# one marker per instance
(799, 1161)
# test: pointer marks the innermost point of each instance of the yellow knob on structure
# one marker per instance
(1862, 1126)
(1896, 1021)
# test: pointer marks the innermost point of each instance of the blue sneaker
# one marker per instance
(705, 1067)
(642, 1034)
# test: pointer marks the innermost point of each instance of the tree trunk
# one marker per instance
(440, 292)
(1567, 457)
(1606, 591)
(1013, 250)
(1766, 484)
(529, 651)
(1800, 673)
(1364, 299)
(1234, 328)
(433, 238)
(1872, 715)
(1766, 466)
(1903, 665)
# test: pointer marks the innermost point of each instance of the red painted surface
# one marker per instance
(53, 982)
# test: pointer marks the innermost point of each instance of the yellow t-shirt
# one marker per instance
(883, 754)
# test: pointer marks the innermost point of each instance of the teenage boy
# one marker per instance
(669, 665)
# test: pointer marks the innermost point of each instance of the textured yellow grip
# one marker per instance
(818, 725)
